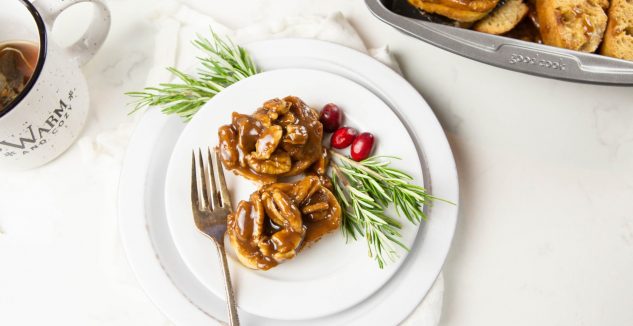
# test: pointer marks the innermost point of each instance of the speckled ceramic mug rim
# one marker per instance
(40, 60)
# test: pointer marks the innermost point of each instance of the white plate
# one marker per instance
(177, 292)
(331, 275)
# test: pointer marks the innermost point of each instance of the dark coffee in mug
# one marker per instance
(17, 64)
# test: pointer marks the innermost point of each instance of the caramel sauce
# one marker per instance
(321, 222)
(282, 138)
(281, 219)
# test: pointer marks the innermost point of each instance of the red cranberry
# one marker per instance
(331, 117)
(362, 146)
(343, 137)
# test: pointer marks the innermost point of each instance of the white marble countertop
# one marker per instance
(545, 235)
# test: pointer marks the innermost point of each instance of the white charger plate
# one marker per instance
(177, 292)
(329, 276)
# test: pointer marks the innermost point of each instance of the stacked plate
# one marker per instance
(331, 283)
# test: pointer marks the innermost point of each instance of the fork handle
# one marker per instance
(230, 296)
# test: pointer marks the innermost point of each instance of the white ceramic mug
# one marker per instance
(48, 115)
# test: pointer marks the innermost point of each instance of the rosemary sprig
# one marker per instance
(363, 215)
(223, 64)
(365, 189)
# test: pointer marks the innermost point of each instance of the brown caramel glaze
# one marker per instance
(467, 11)
(474, 5)
(320, 221)
(280, 219)
(282, 138)
(319, 169)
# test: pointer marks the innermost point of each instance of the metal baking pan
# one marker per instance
(513, 54)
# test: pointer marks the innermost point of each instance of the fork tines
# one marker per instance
(204, 190)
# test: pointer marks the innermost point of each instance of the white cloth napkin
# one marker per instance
(76, 212)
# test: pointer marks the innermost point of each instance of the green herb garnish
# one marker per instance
(364, 190)
(223, 64)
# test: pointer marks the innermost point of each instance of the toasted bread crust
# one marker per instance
(618, 39)
(503, 19)
(572, 24)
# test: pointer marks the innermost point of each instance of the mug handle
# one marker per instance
(85, 48)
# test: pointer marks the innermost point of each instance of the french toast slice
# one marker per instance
(618, 39)
(572, 24)
(503, 19)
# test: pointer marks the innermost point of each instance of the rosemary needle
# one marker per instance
(365, 189)
(223, 64)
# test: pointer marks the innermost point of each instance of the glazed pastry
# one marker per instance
(282, 138)
(280, 219)
(459, 10)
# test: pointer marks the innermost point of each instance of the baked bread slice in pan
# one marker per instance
(618, 39)
(572, 24)
(503, 19)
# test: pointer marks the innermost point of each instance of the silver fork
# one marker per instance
(210, 209)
